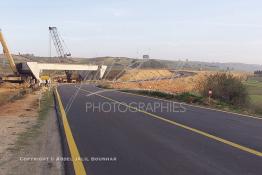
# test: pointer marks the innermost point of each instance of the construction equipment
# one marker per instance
(20, 70)
(7, 54)
(29, 72)
(45, 80)
(61, 49)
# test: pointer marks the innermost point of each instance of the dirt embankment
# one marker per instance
(173, 86)
(27, 132)
(9, 91)
(145, 74)
(177, 84)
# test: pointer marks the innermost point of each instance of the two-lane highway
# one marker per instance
(120, 134)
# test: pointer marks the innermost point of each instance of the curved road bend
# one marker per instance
(182, 140)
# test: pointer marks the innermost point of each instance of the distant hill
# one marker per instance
(124, 62)
(149, 64)
(198, 65)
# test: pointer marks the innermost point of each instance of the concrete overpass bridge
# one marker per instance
(36, 68)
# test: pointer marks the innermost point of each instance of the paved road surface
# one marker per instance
(170, 139)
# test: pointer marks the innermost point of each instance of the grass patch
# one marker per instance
(256, 99)
(182, 97)
(254, 88)
(254, 108)
(191, 98)
(6, 97)
(24, 138)
(255, 78)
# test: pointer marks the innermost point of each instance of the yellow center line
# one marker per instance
(77, 163)
(235, 145)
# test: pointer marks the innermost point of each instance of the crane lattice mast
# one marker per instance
(59, 43)
(60, 48)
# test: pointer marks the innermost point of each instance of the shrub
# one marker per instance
(225, 87)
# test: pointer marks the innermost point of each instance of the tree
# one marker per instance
(258, 72)
(225, 87)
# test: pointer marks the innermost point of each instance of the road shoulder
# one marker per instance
(38, 139)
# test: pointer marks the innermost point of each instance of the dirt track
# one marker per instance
(16, 122)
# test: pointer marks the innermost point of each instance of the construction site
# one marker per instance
(47, 125)
(27, 85)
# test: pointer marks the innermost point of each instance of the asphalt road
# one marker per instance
(160, 137)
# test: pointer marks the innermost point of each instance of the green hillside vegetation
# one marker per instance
(255, 94)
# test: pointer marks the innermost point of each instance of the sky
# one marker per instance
(202, 30)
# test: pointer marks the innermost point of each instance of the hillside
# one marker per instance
(119, 63)
(198, 65)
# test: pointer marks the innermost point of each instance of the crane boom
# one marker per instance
(60, 48)
(8, 54)
(58, 42)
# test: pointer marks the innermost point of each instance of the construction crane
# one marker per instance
(29, 72)
(61, 49)
(59, 43)
(21, 72)
(8, 54)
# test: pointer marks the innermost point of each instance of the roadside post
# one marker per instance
(209, 95)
